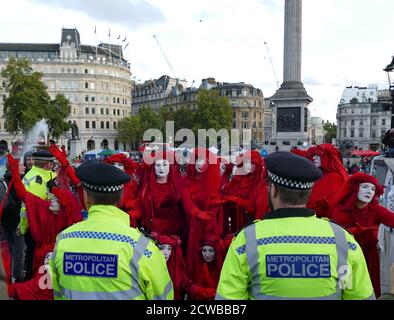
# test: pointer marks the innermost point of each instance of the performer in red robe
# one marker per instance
(242, 192)
(170, 245)
(129, 201)
(226, 170)
(356, 208)
(329, 160)
(208, 263)
(199, 197)
(46, 218)
(160, 197)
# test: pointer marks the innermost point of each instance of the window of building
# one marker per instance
(352, 110)
(118, 100)
(93, 99)
(107, 111)
(113, 100)
(87, 124)
(118, 112)
(86, 71)
(361, 134)
(107, 124)
(86, 98)
(93, 110)
(114, 112)
(86, 85)
(373, 133)
(361, 122)
(352, 122)
(383, 122)
(374, 122)
(93, 124)
(344, 133)
(245, 114)
(352, 133)
(102, 124)
(114, 124)
(102, 111)
(86, 110)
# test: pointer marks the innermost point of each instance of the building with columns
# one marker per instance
(363, 119)
(95, 79)
(250, 109)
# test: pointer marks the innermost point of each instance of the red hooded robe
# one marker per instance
(334, 176)
(363, 223)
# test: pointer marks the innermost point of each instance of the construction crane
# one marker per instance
(272, 65)
(164, 55)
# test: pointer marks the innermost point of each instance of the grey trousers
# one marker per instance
(17, 251)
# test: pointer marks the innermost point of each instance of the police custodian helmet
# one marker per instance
(291, 171)
(101, 177)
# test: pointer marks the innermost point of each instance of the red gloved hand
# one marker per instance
(18, 185)
(72, 175)
(59, 155)
(204, 215)
(61, 195)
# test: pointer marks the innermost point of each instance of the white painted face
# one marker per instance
(54, 206)
(366, 192)
(222, 168)
(162, 168)
(317, 161)
(119, 165)
(208, 253)
(166, 249)
(201, 165)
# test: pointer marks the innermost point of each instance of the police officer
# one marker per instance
(38, 181)
(102, 257)
(291, 254)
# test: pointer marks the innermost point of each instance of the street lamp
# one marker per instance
(389, 68)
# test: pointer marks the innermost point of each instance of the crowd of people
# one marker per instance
(192, 208)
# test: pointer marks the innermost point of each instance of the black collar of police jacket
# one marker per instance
(289, 213)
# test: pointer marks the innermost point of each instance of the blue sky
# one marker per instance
(345, 42)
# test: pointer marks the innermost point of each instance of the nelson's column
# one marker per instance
(291, 99)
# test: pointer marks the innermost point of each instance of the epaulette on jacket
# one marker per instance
(146, 234)
(246, 225)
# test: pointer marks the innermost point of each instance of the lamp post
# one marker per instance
(389, 68)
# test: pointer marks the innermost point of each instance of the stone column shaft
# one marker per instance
(293, 41)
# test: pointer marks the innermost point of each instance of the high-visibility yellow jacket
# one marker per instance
(103, 258)
(35, 182)
(291, 254)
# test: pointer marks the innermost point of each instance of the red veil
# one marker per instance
(160, 203)
(334, 176)
(200, 191)
(242, 193)
(129, 201)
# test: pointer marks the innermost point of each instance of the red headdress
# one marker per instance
(347, 195)
(129, 164)
(302, 153)
(331, 159)
(209, 180)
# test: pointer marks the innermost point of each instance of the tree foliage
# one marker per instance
(27, 100)
(129, 130)
(213, 111)
(331, 131)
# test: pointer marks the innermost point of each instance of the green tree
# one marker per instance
(331, 131)
(213, 111)
(59, 110)
(27, 100)
(149, 120)
(129, 130)
(184, 118)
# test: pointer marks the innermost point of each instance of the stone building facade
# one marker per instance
(95, 79)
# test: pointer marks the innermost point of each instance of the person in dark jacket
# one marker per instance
(9, 223)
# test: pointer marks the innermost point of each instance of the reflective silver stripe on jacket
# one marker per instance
(139, 250)
(166, 292)
(342, 248)
(80, 295)
(253, 260)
